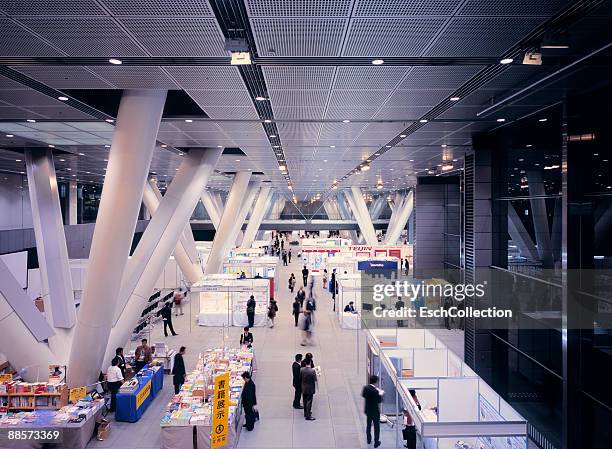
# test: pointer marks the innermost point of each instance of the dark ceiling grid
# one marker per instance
(234, 23)
(555, 24)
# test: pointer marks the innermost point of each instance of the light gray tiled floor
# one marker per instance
(337, 404)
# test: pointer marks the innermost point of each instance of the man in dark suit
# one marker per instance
(120, 360)
(308, 377)
(373, 398)
(305, 275)
(249, 401)
(178, 370)
(297, 383)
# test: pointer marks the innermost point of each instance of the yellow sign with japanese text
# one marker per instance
(143, 394)
(220, 421)
(6, 378)
(76, 394)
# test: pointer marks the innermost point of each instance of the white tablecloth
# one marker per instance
(351, 321)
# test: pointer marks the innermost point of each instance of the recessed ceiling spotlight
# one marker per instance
(81, 154)
(528, 145)
(219, 146)
(423, 121)
(378, 62)
(387, 146)
(267, 121)
(506, 61)
(62, 160)
(51, 146)
(237, 160)
(69, 169)
(273, 136)
(332, 146)
(324, 160)
(17, 160)
(501, 120)
(260, 98)
(188, 120)
(365, 167)
(410, 160)
(346, 121)
(106, 146)
(31, 120)
(542, 120)
(163, 145)
(180, 154)
(176, 169)
(62, 98)
(10, 135)
(115, 61)
(455, 98)
(402, 135)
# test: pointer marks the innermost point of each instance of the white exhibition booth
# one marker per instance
(246, 252)
(349, 289)
(456, 407)
(223, 300)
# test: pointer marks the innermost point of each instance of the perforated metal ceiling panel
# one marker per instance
(206, 77)
(370, 99)
(375, 77)
(216, 98)
(178, 36)
(54, 8)
(298, 98)
(390, 37)
(373, 8)
(476, 36)
(298, 8)
(62, 77)
(298, 37)
(160, 8)
(298, 77)
(512, 7)
(17, 41)
(125, 77)
(423, 97)
(441, 77)
(85, 36)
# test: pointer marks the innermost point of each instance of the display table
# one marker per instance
(75, 435)
(188, 416)
(132, 405)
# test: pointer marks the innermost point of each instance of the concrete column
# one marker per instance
(50, 238)
(244, 211)
(210, 204)
(342, 200)
(73, 203)
(160, 238)
(261, 206)
(540, 218)
(363, 217)
(187, 240)
(377, 207)
(51, 248)
(520, 236)
(267, 215)
(402, 213)
(191, 271)
(129, 160)
(219, 202)
(223, 236)
(396, 207)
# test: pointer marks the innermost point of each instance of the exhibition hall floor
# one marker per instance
(337, 406)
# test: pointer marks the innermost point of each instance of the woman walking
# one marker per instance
(291, 282)
(272, 309)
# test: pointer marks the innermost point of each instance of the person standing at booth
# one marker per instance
(114, 379)
(166, 314)
(305, 275)
(178, 371)
(308, 378)
(144, 355)
(297, 381)
(120, 360)
(246, 338)
(373, 397)
(250, 310)
(249, 401)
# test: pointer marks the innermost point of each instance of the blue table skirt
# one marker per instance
(128, 408)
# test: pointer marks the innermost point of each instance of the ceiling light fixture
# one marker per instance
(109, 120)
(260, 98)
(62, 160)
(282, 167)
(365, 167)
(501, 120)
(115, 61)
(10, 135)
(506, 61)
(31, 120)
(62, 98)
(17, 160)
(402, 135)
(81, 154)
(455, 98)
(188, 120)
(51, 146)
(423, 121)
(542, 120)
(267, 121)
(106, 146)
(273, 136)
(346, 121)
(378, 62)
(163, 145)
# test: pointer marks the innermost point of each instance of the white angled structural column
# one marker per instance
(260, 208)
(244, 212)
(520, 235)
(73, 203)
(212, 208)
(540, 218)
(223, 236)
(345, 214)
(129, 160)
(159, 239)
(192, 271)
(360, 210)
(401, 214)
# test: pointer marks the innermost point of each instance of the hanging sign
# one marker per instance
(76, 394)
